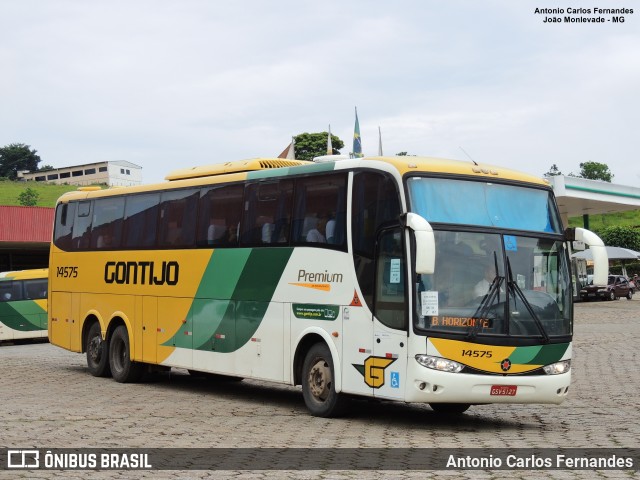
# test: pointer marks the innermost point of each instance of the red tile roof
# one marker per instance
(26, 224)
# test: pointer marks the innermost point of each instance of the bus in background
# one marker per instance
(23, 304)
(398, 278)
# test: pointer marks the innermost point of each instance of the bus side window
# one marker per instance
(82, 226)
(376, 201)
(319, 214)
(220, 211)
(11, 291)
(390, 301)
(106, 231)
(65, 214)
(178, 218)
(267, 213)
(141, 221)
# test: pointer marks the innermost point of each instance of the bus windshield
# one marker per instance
(486, 204)
(496, 284)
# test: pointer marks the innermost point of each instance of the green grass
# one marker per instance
(47, 193)
(630, 218)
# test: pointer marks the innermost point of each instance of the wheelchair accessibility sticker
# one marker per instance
(395, 379)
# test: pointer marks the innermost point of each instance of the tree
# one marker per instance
(309, 145)
(45, 168)
(595, 171)
(619, 236)
(553, 171)
(28, 198)
(16, 157)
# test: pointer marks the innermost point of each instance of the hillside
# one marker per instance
(47, 193)
(598, 222)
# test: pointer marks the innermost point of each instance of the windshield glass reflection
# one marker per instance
(492, 284)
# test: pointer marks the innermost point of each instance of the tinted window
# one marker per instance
(178, 218)
(220, 213)
(82, 226)
(319, 214)
(35, 289)
(65, 214)
(107, 223)
(10, 291)
(141, 221)
(267, 213)
(390, 301)
(375, 202)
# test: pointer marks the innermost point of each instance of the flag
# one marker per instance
(357, 143)
(329, 145)
(291, 154)
(379, 142)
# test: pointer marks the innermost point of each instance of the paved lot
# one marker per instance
(48, 400)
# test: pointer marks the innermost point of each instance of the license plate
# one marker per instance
(504, 390)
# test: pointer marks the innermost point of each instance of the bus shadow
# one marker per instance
(23, 341)
(287, 400)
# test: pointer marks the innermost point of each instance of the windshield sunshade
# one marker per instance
(441, 200)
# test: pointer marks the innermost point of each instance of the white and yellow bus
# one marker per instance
(399, 278)
(23, 304)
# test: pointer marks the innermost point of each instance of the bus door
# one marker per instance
(146, 335)
(60, 312)
(389, 362)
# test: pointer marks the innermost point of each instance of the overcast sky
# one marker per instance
(173, 84)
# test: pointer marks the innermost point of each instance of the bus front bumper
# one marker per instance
(432, 386)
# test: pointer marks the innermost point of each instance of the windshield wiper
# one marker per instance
(517, 290)
(487, 301)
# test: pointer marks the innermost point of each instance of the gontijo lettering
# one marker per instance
(143, 273)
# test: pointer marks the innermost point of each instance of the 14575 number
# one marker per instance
(67, 272)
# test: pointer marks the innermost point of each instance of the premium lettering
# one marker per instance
(142, 273)
(304, 276)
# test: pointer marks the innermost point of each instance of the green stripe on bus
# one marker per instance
(538, 354)
(550, 354)
(232, 298)
(283, 172)
(24, 316)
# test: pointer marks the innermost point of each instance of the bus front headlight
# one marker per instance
(439, 363)
(557, 368)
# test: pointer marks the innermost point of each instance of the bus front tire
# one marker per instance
(123, 369)
(318, 386)
(97, 352)
(450, 408)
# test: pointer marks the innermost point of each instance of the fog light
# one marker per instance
(557, 368)
(439, 363)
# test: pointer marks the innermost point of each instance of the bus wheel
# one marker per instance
(97, 352)
(318, 387)
(123, 369)
(450, 408)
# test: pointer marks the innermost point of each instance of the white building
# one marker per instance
(116, 173)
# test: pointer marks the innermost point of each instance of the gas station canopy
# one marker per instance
(579, 196)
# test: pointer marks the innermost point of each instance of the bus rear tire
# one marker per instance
(123, 369)
(450, 408)
(97, 352)
(318, 386)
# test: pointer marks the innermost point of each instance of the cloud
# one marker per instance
(166, 84)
